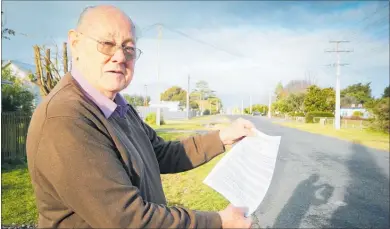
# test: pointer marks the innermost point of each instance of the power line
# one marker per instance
(203, 42)
(378, 9)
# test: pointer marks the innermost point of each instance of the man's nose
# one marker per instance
(119, 56)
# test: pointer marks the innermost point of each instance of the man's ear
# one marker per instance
(73, 40)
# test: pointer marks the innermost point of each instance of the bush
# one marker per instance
(299, 114)
(381, 112)
(151, 118)
(206, 112)
(310, 115)
(357, 114)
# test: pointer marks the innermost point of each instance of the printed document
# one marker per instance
(244, 174)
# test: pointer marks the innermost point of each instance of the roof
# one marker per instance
(23, 66)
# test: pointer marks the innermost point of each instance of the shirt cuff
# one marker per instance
(212, 144)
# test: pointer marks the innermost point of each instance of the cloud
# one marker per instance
(264, 43)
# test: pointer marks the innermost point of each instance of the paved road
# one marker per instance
(324, 182)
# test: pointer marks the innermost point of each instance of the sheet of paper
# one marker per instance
(244, 174)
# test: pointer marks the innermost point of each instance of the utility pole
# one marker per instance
(146, 96)
(188, 97)
(269, 105)
(158, 113)
(250, 104)
(338, 64)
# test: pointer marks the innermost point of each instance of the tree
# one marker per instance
(175, 93)
(347, 100)
(215, 104)
(381, 111)
(257, 108)
(320, 100)
(137, 100)
(279, 93)
(297, 86)
(47, 72)
(360, 92)
(295, 102)
(6, 32)
(386, 92)
(15, 97)
(203, 88)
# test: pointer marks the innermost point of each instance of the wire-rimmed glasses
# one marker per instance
(109, 48)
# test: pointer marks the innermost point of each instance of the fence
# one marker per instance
(14, 128)
(328, 121)
(166, 113)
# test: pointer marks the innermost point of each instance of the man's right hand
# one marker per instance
(233, 217)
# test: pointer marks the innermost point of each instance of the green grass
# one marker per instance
(17, 199)
(187, 189)
(183, 189)
(368, 138)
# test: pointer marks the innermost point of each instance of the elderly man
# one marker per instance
(93, 162)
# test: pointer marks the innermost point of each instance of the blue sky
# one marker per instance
(273, 41)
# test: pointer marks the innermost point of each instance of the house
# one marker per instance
(348, 111)
(171, 105)
(22, 71)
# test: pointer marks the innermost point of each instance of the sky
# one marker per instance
(242, 49)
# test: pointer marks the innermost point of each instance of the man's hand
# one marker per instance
(239, 129)
(233, 217)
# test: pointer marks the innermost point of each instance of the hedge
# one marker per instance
(310, 115)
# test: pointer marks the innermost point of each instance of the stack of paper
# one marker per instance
(244, 174)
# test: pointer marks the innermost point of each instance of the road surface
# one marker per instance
(321, 181)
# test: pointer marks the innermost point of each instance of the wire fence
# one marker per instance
(345, 123)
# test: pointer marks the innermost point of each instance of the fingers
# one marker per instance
(245, 123)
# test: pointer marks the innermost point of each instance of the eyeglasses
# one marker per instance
(109, 48)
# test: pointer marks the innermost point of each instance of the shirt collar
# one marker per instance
(106, 105)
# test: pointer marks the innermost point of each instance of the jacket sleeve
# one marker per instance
(80, 163)
(180, 156)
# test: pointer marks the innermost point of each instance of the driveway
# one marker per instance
(321, 181)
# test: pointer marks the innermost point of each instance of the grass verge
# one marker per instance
(184, 189)
(368, 138)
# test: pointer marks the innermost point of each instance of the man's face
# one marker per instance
(101, 60)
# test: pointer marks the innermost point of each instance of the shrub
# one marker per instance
(151, 118)
(206, 112)
(380, 109)
(357, 114)
(310, 115)
(299, 114)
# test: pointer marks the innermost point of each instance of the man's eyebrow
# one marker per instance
(131, 40)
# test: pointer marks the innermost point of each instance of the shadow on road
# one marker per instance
(302, 198)
(367, 195)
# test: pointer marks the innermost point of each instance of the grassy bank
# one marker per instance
(184, 189)
(368, 138)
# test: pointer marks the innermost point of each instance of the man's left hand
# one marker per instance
(239, 129)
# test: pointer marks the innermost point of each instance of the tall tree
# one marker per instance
(317, 99)
(203, 88)
(360, 92)
(295, 102)
(175, 93)
(386, 92)
(279, 92)
(297, 86)
(137, 100)
(16, 96)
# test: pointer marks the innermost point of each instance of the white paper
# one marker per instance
(244, 174)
